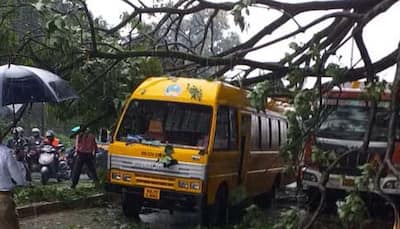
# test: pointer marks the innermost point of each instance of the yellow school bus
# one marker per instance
(184, 143)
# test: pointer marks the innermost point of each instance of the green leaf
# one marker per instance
(59, 23)
(51, 26)
(293, 45)
(39, 5)
(168, 150)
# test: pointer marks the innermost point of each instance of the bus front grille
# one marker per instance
(154, 181)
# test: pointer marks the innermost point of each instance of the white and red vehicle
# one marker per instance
(344, 129)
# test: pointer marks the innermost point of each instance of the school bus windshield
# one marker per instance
(166, 122)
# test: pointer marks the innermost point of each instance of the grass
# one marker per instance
(49, 193)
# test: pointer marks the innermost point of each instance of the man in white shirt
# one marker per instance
(12, 173)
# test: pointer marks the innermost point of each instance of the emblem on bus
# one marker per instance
(173, 90)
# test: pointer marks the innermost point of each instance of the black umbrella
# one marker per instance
(22, 84)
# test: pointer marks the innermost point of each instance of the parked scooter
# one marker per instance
(52, 164)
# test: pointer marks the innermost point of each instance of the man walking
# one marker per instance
(85, 149)
(12, 173)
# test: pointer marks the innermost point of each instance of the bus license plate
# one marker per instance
(152, 193)
(348, 182)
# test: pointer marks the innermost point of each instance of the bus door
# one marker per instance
(223, 162)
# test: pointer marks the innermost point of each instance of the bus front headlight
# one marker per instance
(115, 176)
(127, 178)
(195, 186)
(183, 184)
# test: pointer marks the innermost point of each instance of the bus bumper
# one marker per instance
(311, 178)
(168, 199)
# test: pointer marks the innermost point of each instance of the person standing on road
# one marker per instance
(12, 173)
(85, 150)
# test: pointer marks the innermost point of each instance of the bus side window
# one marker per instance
(279, 132)
(270, 132)
(275, 134)
(283, 132)
(255, 131)
(233, 129)
(226, 136)
(265, 133)
(222, 131)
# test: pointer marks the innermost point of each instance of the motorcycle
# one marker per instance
(53, 165)
(33, 154)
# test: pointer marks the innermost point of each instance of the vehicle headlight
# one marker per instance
(127, 178)
(183, 184)
(392, 185)
(309, 177)
(115, 176)
(195, 185)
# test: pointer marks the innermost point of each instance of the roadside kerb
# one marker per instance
(35, 209)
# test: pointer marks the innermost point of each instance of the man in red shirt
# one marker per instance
(85, 150)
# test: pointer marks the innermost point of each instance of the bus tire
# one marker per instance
(267, 199)
(313, 198)
(131, 205)
(270, 197)
(219, 211)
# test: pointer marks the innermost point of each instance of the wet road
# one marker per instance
(110, 216)
(107, 217)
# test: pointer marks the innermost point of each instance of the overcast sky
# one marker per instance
(381, 35)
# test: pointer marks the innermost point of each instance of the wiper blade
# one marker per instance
(133, 139)
(151, 142)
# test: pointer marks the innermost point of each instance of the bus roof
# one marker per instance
(190, 90)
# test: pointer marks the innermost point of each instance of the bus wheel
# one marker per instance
(270, 197)
(313, 198)
(219, 211)
(131, 205)
(267, 200)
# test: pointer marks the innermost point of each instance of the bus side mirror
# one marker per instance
(104, 135)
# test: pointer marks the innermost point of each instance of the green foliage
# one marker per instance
(167, 159)
(336, 72)
(295, 77)
(289, 219)
(102, 175)
(255, 218)
(301, 120)
(258, 96)
(62, 46)
(352, 210)
(237, 195)
(65, 140)
(293, 45)
(303, 104)
(368, 172)
(293, 146)
(323, 158)
(238, 17)
(374, 90)
(26, 195)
